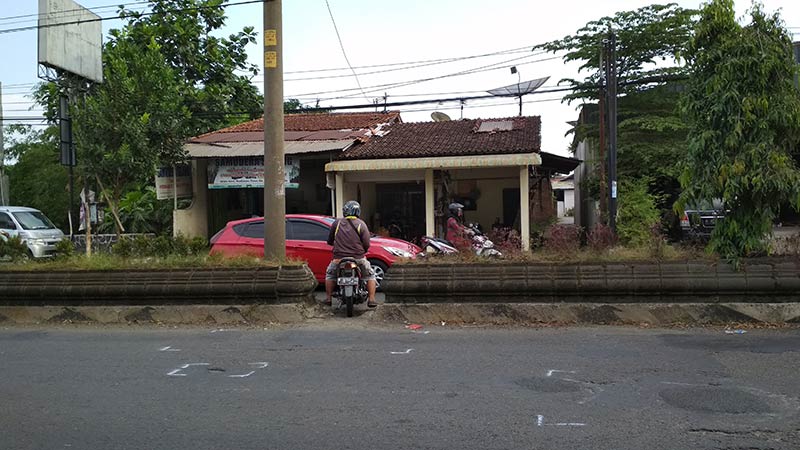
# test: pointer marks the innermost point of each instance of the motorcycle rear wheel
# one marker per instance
(349, 305)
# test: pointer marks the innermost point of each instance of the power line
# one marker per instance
(100, 19)
(341, 45)
(75, 11)
(381, 87)
(372, 66)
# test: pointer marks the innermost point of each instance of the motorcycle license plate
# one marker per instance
(347, 281)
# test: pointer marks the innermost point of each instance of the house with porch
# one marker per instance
(405, 178)
(227, 167)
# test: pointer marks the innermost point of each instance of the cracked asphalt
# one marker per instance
(342, 384)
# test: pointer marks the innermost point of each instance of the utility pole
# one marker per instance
(67, 148)
(612, 131)
(3, 180)
(274, 190)
(601, 151)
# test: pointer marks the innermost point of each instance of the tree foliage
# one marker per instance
(37, 179)
(744, 114)
(215, 76)
(646, 38)
(132, 122)
(651, 133)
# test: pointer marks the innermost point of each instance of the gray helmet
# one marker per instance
(455, 208)
(351, 208)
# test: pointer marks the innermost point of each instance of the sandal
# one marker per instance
(371, 304)
(327, 303)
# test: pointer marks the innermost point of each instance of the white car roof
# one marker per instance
(13, 209)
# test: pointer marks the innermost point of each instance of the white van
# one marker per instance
(33, 227)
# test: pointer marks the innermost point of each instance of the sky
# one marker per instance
(392, 46)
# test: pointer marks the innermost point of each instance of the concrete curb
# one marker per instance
(224, 286)
(766, 281)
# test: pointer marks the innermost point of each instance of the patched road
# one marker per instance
(339, 385)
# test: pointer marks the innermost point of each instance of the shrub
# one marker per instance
(601, 238)
(637, 213)
(658, 242)
(160, 246)
(564, 240)
(65, 248)
(12, 247)
(506, 239)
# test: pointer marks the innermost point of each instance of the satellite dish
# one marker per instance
(519, 89)
(439, 116)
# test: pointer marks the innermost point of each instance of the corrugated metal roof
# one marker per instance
(234, 149)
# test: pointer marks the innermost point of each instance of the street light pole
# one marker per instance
(274, 190)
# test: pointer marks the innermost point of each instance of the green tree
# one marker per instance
(132, 122)
(651, 132)
(37, 179)
(744, 115)
(215, 77)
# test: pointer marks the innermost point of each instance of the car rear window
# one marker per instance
(309, 231)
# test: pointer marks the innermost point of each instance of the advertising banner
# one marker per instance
(165, 182)
(232, 173)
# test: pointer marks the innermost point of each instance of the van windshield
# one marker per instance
(33, 220)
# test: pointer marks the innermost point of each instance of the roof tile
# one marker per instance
(309, 122)
(450, 138)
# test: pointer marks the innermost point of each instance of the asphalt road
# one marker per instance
(340, 385)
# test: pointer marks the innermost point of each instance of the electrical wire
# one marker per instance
(100, 19)
(341, 45)
(74, 11)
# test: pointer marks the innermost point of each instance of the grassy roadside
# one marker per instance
(104, 262)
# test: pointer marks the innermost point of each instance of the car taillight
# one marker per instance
(685, 220)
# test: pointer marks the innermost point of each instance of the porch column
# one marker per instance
(337, 208)
(430, 225)
(524, 209)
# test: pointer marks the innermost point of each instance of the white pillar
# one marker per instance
(524, 208)
(430, 225)
(339, 194)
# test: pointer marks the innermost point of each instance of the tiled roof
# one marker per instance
(310, 123)
(450, 138)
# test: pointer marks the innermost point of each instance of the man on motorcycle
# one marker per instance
(457, 233)
(350, 238)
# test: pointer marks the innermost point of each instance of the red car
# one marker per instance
(306, 237)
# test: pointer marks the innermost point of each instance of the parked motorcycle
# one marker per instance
(351, 288)
(480, 244)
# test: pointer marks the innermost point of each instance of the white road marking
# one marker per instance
(175, 373)
(403, 353)
(243, 375)
(259, 365)
(540, 423)
(169, 349)
(552, 371)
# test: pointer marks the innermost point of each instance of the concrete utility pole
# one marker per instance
(612, 131)
(274, 190)
(3, 180)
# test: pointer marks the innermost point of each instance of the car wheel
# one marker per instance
(380, 271)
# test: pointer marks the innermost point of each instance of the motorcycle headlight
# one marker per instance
(398, 252)
(487, 244)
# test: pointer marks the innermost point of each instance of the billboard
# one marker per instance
(70, 38)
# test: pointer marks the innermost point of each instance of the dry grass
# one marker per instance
(110, 262)
(613, 255)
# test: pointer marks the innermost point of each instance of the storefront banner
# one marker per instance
(165, 183)
(238, 173)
